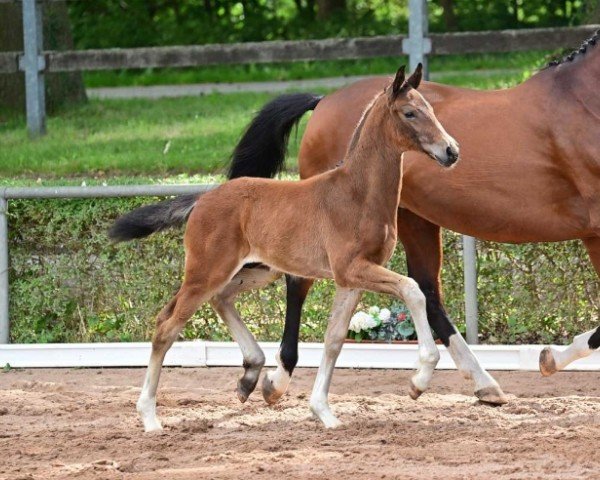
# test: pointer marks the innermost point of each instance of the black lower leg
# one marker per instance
(296, 294)
(594, 340)
(436, 314)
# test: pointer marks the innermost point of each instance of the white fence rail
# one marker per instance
(227, 354)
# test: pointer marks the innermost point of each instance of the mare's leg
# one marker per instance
(223, 303)
(169, 323)
(276, 382)
(423, 245)
(344, 303)
(552, 360)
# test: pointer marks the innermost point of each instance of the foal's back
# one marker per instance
(284, 224)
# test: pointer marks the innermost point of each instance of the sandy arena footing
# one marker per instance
(81, 423)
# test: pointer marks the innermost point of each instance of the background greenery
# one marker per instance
(68, 283)
(107, 23)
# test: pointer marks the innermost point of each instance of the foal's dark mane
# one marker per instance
(361, 124)
(590, 42)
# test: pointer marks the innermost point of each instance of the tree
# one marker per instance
(327, 8)
(61, 88)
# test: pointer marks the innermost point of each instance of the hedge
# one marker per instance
(68, 283)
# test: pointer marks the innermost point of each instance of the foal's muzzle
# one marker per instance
(449, 156)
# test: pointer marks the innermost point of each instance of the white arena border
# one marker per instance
(225, 354)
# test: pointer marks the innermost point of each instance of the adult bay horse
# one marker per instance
(530, 172)
(340, 224)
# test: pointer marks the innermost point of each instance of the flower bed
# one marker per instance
(382, 325)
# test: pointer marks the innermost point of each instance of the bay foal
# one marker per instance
(340, 224)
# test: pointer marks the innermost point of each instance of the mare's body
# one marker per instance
(530, 172)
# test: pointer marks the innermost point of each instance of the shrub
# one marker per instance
(68, 283)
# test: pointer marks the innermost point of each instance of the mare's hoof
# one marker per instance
(270, 394)
(547, 363)
(414, 392)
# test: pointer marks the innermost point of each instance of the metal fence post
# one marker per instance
(417, 45)
(4, 321)
(33, 64)
(470, 275)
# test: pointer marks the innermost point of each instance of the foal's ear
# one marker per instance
(398, 82)
(415, 79)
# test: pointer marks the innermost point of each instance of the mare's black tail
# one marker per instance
(261, 151)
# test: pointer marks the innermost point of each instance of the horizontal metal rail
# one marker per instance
(13, 193)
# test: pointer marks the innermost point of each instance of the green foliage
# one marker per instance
(106, 23)
(68, 283)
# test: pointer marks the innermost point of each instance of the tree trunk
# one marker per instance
(449, 15)
(61, 88)
(326, 8)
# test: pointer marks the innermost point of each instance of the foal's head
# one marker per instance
(414, 123)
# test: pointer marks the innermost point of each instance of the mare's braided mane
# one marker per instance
(590, 42)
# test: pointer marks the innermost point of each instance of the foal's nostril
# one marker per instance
(452, 154)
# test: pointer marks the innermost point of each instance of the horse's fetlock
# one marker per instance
(430, 358)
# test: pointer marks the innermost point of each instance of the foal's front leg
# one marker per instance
(344, 303)
(369, 276)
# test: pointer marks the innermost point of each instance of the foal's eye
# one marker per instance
(409, 114)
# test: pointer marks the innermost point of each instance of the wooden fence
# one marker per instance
(301, 50)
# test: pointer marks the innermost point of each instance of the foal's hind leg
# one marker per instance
(254, 358)
(169, 324)
(552, 360)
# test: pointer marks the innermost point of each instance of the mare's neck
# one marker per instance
(576, 78)
(373, 164)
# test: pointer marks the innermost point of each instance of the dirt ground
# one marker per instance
(81, 423)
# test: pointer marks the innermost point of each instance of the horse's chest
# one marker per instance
(382, 243)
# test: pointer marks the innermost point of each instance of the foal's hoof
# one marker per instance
(547, 363)
(492, 396)
(269, 392)
(242, 392)
(414, 392)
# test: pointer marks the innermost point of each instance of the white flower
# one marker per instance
(361, 321)
(384, 314)
(373, 311)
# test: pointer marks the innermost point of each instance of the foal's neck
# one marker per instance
(373, 164)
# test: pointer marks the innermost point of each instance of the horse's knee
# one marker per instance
(412, 293)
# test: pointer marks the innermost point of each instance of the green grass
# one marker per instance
(125, 137)
(191, 135)
(303, 70)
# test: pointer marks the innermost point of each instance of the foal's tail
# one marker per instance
(146, 220)
(261, 151)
